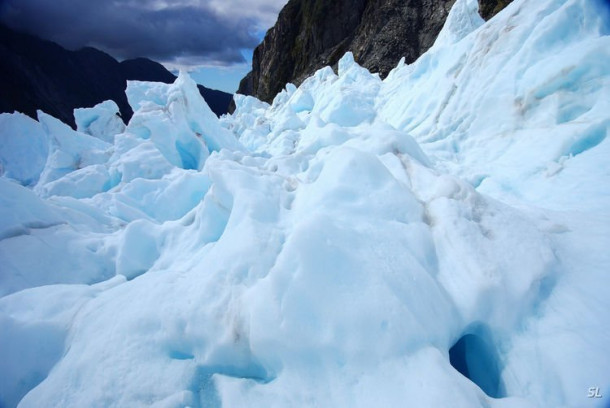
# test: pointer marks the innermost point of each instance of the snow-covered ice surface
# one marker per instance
(436, 239)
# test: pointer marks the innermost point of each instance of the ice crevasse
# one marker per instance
(435, 239)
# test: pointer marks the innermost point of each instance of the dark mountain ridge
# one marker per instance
(38, 74)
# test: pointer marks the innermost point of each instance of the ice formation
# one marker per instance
(436, 239)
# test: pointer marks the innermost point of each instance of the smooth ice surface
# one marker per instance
(23, 148)
(436, 239)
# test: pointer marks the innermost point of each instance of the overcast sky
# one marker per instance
(217, 34)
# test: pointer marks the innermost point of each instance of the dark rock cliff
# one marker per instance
(37, 74)
(310, 34)
(489, 8)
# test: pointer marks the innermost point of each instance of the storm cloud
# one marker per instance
(185, 32)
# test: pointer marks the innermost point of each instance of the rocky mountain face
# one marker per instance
(310, 34)
(37, 74)
(489, 8)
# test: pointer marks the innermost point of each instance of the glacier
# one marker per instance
(438, 238)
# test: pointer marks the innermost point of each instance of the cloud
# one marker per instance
(264, 12)
(178, 31)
